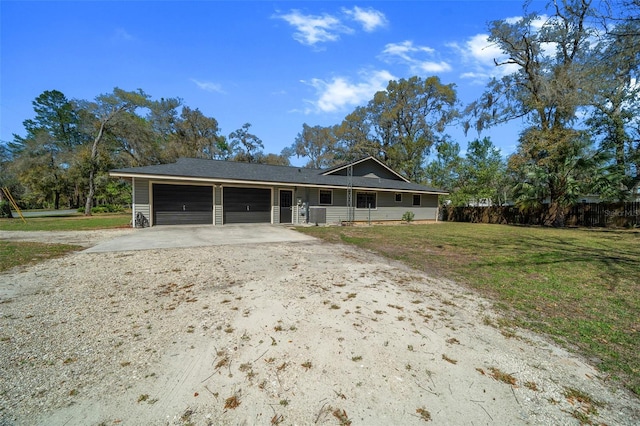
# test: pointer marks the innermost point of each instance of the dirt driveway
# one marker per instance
(275, 333)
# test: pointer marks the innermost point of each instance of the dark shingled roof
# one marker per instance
(217, 170)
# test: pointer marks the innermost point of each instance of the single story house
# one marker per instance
(200, 191)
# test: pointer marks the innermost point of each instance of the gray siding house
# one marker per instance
(198, 191)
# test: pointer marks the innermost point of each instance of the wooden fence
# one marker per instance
(583, 214)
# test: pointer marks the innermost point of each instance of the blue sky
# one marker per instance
(274, 64)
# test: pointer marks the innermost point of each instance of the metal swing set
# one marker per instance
(13, 203)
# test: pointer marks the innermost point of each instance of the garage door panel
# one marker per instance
(182, 204)
(183, 218)
(247, 217)
(246, 205)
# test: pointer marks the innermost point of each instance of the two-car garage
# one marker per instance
(194, 204)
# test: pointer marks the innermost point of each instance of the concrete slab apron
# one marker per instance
(199, 236)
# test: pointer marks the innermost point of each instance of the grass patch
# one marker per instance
(77, 222)
(575, 396)
(14, 254)
(579, 286)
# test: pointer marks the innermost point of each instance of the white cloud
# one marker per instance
(479, 48)
(120, 34)
(208, 86)
(370, 19)
(413, 56)
(404, 50)
(433, 67)
(340, 93)
(478, 56)
(536, 24)
(513, 20)
(475, 76)
(312, 29)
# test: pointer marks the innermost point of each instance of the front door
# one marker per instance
(286, 201)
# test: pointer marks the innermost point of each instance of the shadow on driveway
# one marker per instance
(160, 237)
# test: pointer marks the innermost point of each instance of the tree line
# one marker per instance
(573, 81)
(70, 145)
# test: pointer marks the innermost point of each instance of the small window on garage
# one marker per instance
(366, 200)
(416, 199)
(398, 197)
(326, 197)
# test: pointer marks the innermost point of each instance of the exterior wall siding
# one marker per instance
(141, 199)
(275, 205)
(217, 205)
(340, 214)
(387, 207)
(396, 213)
(276, 215)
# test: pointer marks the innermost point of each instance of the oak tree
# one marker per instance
(245, 146)
(105, 118)
(318, 144)
(548, 89)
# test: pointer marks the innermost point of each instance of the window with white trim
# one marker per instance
(366, 200)
(416, 199)
(325, 197)
(398, 197)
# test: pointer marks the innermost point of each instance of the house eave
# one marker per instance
(222, 181)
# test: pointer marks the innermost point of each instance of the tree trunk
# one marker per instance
(89, 203)
(94, 156)
(555, 214)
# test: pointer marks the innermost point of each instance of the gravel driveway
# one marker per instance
(274, 333)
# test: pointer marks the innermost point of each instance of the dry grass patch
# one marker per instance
(502, 377)
(449, 360)
(232, 402)
(424, 414)
(14, 254)
(531, 385)
(342, 417)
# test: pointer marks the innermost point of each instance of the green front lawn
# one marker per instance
(579, 286)
(67, 223)
(21, 253)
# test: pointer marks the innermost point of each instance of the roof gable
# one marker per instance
(369, 167)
